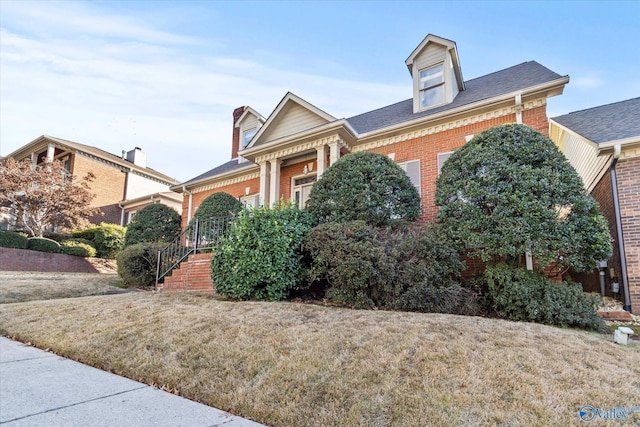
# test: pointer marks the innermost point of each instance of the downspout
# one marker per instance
(616, 207)
(121, 214)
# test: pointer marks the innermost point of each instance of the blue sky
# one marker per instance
(166, 76)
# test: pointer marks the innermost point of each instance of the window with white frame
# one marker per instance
(412, 168)
(432, 86)
(247, 135)
(442, 157)
(301, 188)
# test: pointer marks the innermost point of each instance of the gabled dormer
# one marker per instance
(437, 76)
(248, 123)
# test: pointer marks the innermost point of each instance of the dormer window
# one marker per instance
(432, 86)
(247, 136)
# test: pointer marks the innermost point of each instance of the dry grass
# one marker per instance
(286, 364)
(30, 286)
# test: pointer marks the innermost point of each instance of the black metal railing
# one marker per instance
(199, 236)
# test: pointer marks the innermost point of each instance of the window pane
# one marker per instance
(431, 76)
(248, 135)
(432, 96)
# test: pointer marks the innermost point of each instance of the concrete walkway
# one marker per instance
(41, 389)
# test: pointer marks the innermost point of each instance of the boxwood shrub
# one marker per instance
(108, 239)
(11, 239)
(78, 247)
(42, 244)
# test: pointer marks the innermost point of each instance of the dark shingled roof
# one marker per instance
(230, 166)
(499, 83)
(605, 123)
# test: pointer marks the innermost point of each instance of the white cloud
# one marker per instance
(113, 82)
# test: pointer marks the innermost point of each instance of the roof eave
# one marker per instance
(178, 188)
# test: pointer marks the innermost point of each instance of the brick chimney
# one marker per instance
(235, 142)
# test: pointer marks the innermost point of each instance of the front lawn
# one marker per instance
(288, 364)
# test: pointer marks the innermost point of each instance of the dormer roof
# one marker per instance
(248, 111)
(451, 47)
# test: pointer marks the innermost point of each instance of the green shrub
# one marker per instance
(518, 294)
(11, 239)
(365, 186)
(78, 247)
(427, 275)
(153, 223)
(350, 257)
(42, 244)
(137, 264)
(261, 255)
(58, 237)
(409, 270)
(218, 205)
(108, 239)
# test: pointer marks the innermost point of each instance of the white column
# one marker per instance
(334, 152)
(322, 160)
(50, 152)
(274, 182)
(264, 184)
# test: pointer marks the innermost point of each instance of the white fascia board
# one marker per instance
(478, 104)
(178, 187)
(624, 142)
(309, 133)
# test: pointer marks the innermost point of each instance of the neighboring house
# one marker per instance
(281, 156)
(123, 184)
(603, 145)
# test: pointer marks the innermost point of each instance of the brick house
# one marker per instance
(123, 184)
(281, 156)
(603, 145)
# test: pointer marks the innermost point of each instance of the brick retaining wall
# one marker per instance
(26, 260)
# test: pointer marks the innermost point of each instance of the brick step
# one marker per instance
(621, 316)
(193, 275)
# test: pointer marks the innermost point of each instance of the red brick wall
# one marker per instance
(590, 280)
(25, 260)
(108, 187)
(628, 180)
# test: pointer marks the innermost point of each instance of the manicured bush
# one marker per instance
(108, 239)
(218, 205)
(11, 239)
(78, 247)
(510, 191)
(518, 294)
(58, 237)
(137, 264)
(42, 244)
(365, 186)
(153, 223)
(261, 255)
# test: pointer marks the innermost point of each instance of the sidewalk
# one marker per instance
(41, 389)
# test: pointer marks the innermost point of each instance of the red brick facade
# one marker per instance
(108, 187)
(628, 180)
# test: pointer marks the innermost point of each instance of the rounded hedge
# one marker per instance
(153, 223)
(11, 239)
(77, 247)
(137, 264)
(218, 205)
(42, 244)
(365, 186)
(108, 239)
